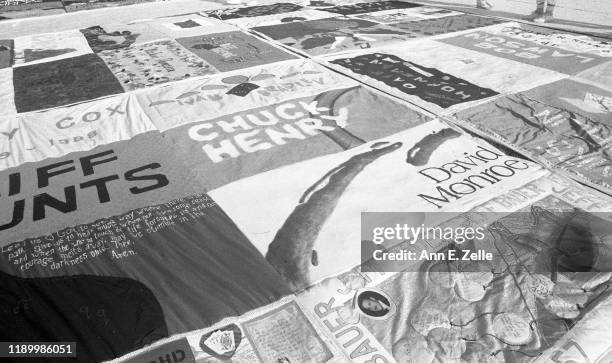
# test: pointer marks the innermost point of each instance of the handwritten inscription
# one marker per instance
(109, 237)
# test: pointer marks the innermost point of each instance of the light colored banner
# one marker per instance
(305, 217)
(246, 143)
(411, 14)
(219, 95)
(274, 19)
(440, 77)
(569, 42)
(438, 27)
(561, 52)
(37, 136)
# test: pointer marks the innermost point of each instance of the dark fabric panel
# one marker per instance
(192, 257)
(361, 8)
(106, 316)
(63, 82)
(251, 11)
(239, 50)
(448, 24)
(127, 175)
(429, 84)
(302, 30)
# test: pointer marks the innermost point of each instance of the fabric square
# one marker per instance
(429, 84)
(326, 4)
(49, 47)
(205, 98)
(63, 82)
(251, 11)
(412, 14)
(449, 24)
(558, 51)
(322, 123)
(100, 40)
(274, 19)
(334, 35)
(370, 7)
(7, 95)
(430, 69)
(233, 50)
(189, 25)
(79, 5)
(108, 37)
(292, 321)
(145, 154)
(266, 204)
(36, 136)
(153, 63)
(6, 53)
(565, 124)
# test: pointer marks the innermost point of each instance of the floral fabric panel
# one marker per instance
(153, 63)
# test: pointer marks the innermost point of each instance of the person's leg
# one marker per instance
(550, 8)
(540, 5)
(538, 15)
